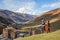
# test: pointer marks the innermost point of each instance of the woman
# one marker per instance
(47, 28)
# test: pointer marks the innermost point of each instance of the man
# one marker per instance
(43, 26)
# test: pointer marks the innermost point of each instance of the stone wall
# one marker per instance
(8, 33)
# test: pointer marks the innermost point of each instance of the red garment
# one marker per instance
(47, 28)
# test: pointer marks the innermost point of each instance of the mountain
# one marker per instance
(53, 16)
(14, 17)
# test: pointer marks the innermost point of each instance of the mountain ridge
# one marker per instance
(53, 16)
(16, 17)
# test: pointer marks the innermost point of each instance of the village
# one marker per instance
(12, 33)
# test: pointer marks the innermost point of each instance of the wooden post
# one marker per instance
(12, 34)
(33, 31)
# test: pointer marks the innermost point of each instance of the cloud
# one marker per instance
(27, 8)
(14, 5)
(53, 5)
(21, 10)
(26, 11)
(47, 7)
(22, 6)
(10, 5)
(44, 8)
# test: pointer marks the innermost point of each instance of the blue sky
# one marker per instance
(34, 7)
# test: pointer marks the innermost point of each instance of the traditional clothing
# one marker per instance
(47, 28)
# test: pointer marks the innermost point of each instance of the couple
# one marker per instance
(46, 26)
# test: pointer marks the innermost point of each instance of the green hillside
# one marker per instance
(53, 16)
(46, 36)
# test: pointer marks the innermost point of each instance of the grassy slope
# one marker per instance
(53, 16)
(46, 16)
(50, 36)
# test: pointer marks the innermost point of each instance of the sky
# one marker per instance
(34, 7)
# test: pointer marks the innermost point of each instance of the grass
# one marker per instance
(45, 36)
